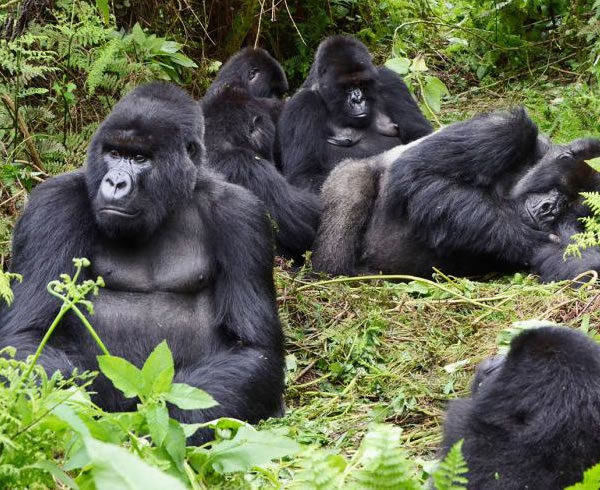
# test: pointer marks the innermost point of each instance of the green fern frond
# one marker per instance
(451, 471)
(99, 66)
(5, 291)
(319, 471)
(591, 480)
(590, 237)
(383, 463)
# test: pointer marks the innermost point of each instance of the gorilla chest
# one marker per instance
(159, 289)
(175, 260)
(359, 143)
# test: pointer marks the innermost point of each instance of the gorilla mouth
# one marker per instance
(118, 212)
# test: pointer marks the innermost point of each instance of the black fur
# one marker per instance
(197, 271)
(240, 138)
(254, 70)
(533, 419)
(316, 129)
(463, 199)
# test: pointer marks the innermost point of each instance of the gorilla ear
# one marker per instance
(256, 120)
(191, 149)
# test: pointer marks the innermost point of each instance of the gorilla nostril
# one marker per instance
(121, 184)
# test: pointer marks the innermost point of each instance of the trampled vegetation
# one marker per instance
(370, 363)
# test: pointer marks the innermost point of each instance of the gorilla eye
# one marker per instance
(252, 74)
(140, 158)
(114, 153)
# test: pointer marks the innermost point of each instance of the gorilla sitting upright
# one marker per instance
(533, 418)
(484, 195)
(347, 108)
(185, 257)
(240, 139)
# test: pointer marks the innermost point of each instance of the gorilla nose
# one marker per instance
(116, 185)
(357, 96)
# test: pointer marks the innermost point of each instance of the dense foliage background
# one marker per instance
(360, 353)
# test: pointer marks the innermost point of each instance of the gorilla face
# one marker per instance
(234, 108)
(140, 167)
(541, 210)
(347, 80)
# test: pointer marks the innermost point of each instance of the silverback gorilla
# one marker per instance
(185, 257)
(347, 108)
(485, 195)
(240, 139)
(533, 418)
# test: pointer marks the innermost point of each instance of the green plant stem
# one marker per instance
(398, 277)
(81, 316)
(64, 309)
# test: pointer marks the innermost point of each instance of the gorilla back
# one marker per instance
(533, 419)
(185, 257)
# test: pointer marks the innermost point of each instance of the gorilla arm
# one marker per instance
(303, 141)
(398, 104)
(245, 372)
(56, 226)
(296, 211)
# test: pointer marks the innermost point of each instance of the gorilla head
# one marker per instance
(533, 418)
(133, 178)
(238, 120)
(346, 79)
(254, 70)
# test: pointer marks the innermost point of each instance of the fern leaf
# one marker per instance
(383, 462)
(5, 291)
(319, 471)
(591, 480)
(451, 471)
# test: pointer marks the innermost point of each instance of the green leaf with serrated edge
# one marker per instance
(399, 65)
(249, 448)
(124, 375)
(158, 370)
(187, 397)
(174, 443)
(114, 467)
(157, 418)
(190, 429)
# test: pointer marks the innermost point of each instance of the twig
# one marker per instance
(31, 149)
(398, 277)
(262, 9)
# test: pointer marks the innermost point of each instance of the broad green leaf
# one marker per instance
(57, 473)
(249, 448)
(157, 418)
(433, 91)
(68, 415)
(591, 480)
(170, 47)
(418, 64)
(158, 370)
(399, 65)
(175, 443)
(182, 60)
(113, 467)
(102, 6)
(189, 398)
(190, 429)
(124, 375)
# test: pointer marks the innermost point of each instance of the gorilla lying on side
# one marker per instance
(484, 195)
(240, 138)
(185, 257)
(347, 108)
(533, 418)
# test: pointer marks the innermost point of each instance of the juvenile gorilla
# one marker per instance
(254, 70)
(240, 138)
(533, 417)
(185, 257)
(484, 195)
(347, 108)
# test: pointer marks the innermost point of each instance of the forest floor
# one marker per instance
(376, 351)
